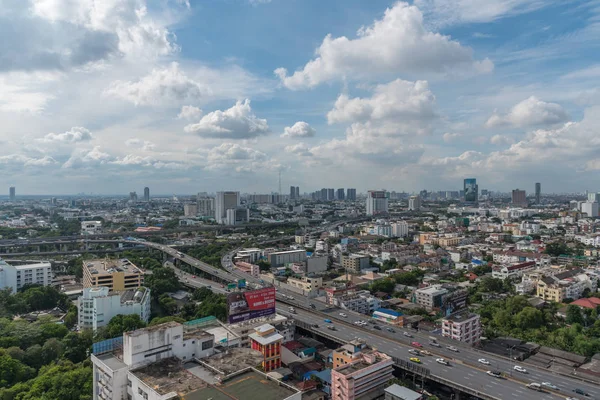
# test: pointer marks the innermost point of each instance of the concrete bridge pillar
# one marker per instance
(456, 394)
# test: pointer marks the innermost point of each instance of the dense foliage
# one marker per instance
(209, 253)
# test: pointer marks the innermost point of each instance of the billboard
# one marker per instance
(242, 306)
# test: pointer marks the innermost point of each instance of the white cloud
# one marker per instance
(396, 44)
(25, 161)
(144, 145)
(162, 86)
(530, 112)
(86, 158)
(451, 136)
(300, 129)
(501, 139)
(396, 100)
(189, 112)
(258, 2)
(445, 12)
(235, 157)
(75, 135)
(300, 149)
(237, 122)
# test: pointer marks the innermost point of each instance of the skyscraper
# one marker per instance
(351, 194)
(297, 192)
(340, 194)
(292, 192)
(206, 205)
(414, 203)
(223, 202)
(133, 197)
(323, 194)
(12, 192)
(146, 194)
(538, 192)
(330, 194)
(519, 198)
(377, 202)
(471, 190)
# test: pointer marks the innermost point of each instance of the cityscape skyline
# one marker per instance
(177, 101)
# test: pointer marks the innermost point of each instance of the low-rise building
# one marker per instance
(513, 271)
(91, 227)
(462, 326)
(266, 340)
(389, 316)
(306, 283)
(356, 262)
(115, 274)
(252, 255)
(397, 392)
(17, 276)
(98, 305)
(279, 258)
(430, 297)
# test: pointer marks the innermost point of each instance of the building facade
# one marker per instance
(266, 340)
(351, 194)
(115, 274)
(280, 258)
(377, 202)
(91, 227)
(17, 276)
(414, 203)
(97, 306)
(471, 190)
(225, 201)
(355, 262)
(519, 198)
(462, 326)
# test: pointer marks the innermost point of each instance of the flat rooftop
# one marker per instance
(249, 385)
(168, 376)
(109, 266)
(235, 359)
(460, 316)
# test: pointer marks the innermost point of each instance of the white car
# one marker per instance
(407, 334)
(484, 361)
(550, 386)
(520, 369)
(442, 361)
(434, 344)
(452, 348)
(343, 315)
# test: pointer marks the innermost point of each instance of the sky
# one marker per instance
(183, 96)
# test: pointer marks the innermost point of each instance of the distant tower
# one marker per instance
(146, 194)
(538, 192)
(292, 192)
(297, 192)
(13, 194)
(279, 181)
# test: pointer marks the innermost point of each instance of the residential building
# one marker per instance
(12, 193)
(538, 192)
(462, 326)
(590, 208)
(190, 210)
(513, 271)
(91, 227)
(250, 269)
(146, 194)
(388, 316)
(250, 255)
(266, 340)
(400, 229)
(236, 216)
(340, 194)
(292, 192)
(98, 305)
(593, 197)
(351, 194)
(206, 206)
(279, 258)
(355, 262)
(377, 202)
(17, 276)
(519, 198)
(360, 301)
(306, 283)
(133, 197)
(471, 190)
(569, 284)
(414, 203)
(359, 372)
(223, 202)
(115, 274)
(397, 392)
(430, 297)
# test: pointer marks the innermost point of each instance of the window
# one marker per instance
(176, 337)
(129, 382)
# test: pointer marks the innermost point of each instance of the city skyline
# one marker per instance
(186, 97)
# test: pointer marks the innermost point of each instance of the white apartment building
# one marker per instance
(280, 258)
(190, 209)
(225, 201)
(430, 297)
(414, 203)
(91, 227)
(206, 206)
(98, 305)
(590, 208)
(526, 286)
(462, 326)
(400, 229)
(513, 271)
(251, 255)
(16, 276)
(377, 202)
(362, 302)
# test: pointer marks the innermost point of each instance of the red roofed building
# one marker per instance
(591, 302)
(513, 271)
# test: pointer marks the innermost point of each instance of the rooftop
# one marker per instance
(403, 392)
(109, 266)
(234, 359)
(460, 316)
(168, 376)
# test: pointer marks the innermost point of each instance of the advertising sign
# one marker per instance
(242, 306)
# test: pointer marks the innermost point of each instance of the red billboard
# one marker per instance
(242, 306)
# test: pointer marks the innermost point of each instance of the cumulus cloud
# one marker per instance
(300, 129)
(396, 100)
(16, 160)
(398, 43)
(235, 157)
(500, 139)
(237, 122)
(299, 149)
(162, 86)
(75, 135)
(189, 112)
(451, 136)
(86, 158)
(144, 145)
(529, 112)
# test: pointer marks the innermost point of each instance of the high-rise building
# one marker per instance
(594, 197)
(519, 198)
(340, 194)
(12, 193)
(146, 194)
(223, 202)
(351, 194)
(471, 190)
(297, 192)
(414, 203)
(133, 197)
(323, 195)
(538, 192)
(377, 202)
(590, 208)
(330, 194)
(206, 206)
(292, 192)
(190, 209)
(400, 229)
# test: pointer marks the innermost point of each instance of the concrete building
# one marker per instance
(377, 202)
(98, 305)
(430, 297)
(306, 283)
(414, 203)
(340, 194)
(397, 392)
(206, 206)
(349, 298)
(471, 190)
(513, 271)
(292, 192)
(146, 194)
(359, 372)
(223, 202)
(115, 274)
(190, 210)
(590, 208)
(91, 227)
(250, 269)
(355, 262)
(16, 276)
(538, 192)
(266, 340)
(462, 326)
(12, 193)
(400, 229)
(519, 198)
(236, 216)
(351, 194)
(279, 258)
(250, 255)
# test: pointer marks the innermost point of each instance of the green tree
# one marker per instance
(168, 304)
(574, 315)
(13, 371)
(386, 285)
(162, 320)
(123, 323)
(77, 345)
(162, 280)
(529, 318)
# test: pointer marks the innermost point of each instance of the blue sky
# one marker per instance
(185, 96)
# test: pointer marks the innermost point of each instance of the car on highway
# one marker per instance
(535, 386)
(413, 351)
(343, 315)
(452, 348)
(571, 398)
(520, 369)
(417, 344)
(550, 386)
(434, 344)
(407, 334)
(426, 353)
(312, 306)
(331, 328)
(415, 360)
(581, 392)
(442, 361)
(390, 329)
(193, 276)
(377, 327)
(327, 320)
(483, 361)
(495, 374)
